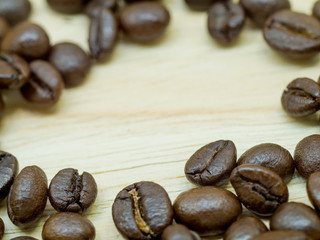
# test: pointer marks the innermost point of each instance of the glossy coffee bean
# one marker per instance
(307, 155)
(212, 164)
(272, 156)
(24, 238)
(296, 217)
(293, 34)
(245, 228)
(316, 10)
(71, 61)
(4, 28)
(1, 228)
(15, 11)
(68, 6)
(301, 98)
(207, 210)
(94, 7)
(258, 188)
(200, 5)
(142, 211)
(179, 232)
(282, 235)
(68, 226)
(144, 21)
(28, 196)
(71, 192)
(313, 189)
(8, 171)
(28, 40)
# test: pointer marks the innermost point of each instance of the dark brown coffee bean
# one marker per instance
(296, 217)
(8, 171)
(15, 11)
(68, 225)
(1, 228)
(272, 156)
(316, 10)
(301, 98)
(45, 84)
(144, 21)
(212, 164)
(200, 5)
(225, 21)
(282, 235)
(4, 28)
(142, 211)
(179, 232)
(71, 61)
(28, 196)
(293, 34)
(258, 188)
(28, 40)
(313, 189)
(103, 34)
(245, 228)
(93, 8)
(24, 238)
(207, 210)
(71, 192)
(68, 6)
(307, 155)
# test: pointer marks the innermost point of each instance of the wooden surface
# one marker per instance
(144, 113)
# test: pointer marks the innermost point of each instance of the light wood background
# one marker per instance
(144, 113)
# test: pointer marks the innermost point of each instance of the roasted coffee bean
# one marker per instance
(93, 8)
(28, 196)
(301, 98)
(24, 238)
(71, 61)
(200, 5)
(1, 228)
(258, 188)
(272, 156)
(103, 34)
(15, 11)
(45, 84)
(313, 189)
(296, 217)
(307, 155)
(4, 28)
(68, 6)
(142, 211)
(225, 21)
(68, 225)
(282, 235)
(293, 34)
(28, 40)
(316, 10)
(8, 171)
(179, 232)
(1, 106)
(207, 210)
(144, 21)
(71, 192)
(245, 228)
(212, 164)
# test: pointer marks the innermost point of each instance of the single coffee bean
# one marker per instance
(258, 188)
(24, 238)
(4, 28)
(301, 98)
(272, 156)
(316, 10)
(245, 228)
(313, 189)
(144, 21)
(28, 40)
(200, 5)
(225, 21)
(28, 196)
(212, 164)
(45, 84)
(68, 225)
(307, 155)
(142, 211)
(282, 235)
(207, 210)
(293, 34)
(68, 6)
(93, 8)
(8, 171)
(179, 232)
(15, 11)
(296, 216)
(71, 61)
(1, 228)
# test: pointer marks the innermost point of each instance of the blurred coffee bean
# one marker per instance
(94, 7)
(8, 170)
(68, 6)
(15, 11)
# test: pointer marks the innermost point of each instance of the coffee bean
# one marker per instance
(94, 7)
(207, 210)
(258, 188)
(4, 28)
(282, 235)
(200, 5)
(293, 34)
(225, 21)
(68, 6)
(296, 217)
(68, 225)
(28, 40)
(301, 98)
(316, 10)
(212, 164)
(71, 192)
(134, 1)
(8, 171)
(142, 211)
(307, 155)
(272, 156)
(313, 189)
(15, 11)
(24, 238)
(179, 232)
(2, 106)
(1, 228)
(144, 21)
(71, 61)
(245, 228)
(28, 196)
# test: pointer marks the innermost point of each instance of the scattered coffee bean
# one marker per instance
(207, 210)
(293, 34)
(24, 238)
(8, 171)
(68, 6)
(179, 232)
(15, 11)
(313, 189)
(212, 164)
(28, 196)
(307, 155)
(68, 225)
(282, 235)
(316, 10)
(144, 21)
(272, 156)
(4, 28)
(258, 188)
(200, 5)
(142, 211)
(1, 228)
(93, 8)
